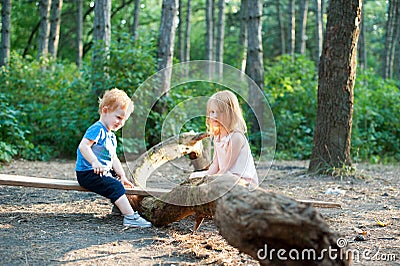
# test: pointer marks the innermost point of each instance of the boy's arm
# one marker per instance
(85, 148)
(119, 170)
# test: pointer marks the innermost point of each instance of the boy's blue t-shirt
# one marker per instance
(104, 147)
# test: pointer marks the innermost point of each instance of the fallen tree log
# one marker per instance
(272, 228)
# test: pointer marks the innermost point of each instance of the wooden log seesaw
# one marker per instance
(248, 220)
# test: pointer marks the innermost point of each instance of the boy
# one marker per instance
(97, 159)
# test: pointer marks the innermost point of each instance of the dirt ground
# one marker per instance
(55, 227)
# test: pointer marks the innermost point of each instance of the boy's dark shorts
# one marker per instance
(105, 185)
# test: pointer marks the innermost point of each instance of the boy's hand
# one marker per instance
(97, 167)
(126, 182)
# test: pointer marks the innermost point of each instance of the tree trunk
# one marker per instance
(101, 39)
(292, 28)
(337, 72)
(5, 32)
(255, 67)
(79, 33)
(135, 24)
(209, 34)
(219, 53)
(281, 27)
(56, 7)
(362, 51)
(179, 30)
(396, 22)
(187, 31)
(390, 39)
(44, 28)
(166, 41)
(255, 221)
(242, 46)
(301, 44)
(318, 29)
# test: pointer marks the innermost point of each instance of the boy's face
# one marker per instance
(116, 119)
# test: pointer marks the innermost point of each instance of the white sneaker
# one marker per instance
(135, 220)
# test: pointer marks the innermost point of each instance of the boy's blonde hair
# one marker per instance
(228, 104)
(114, 99)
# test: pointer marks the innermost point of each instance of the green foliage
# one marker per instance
(376, 122)
(48, 105)
(291, 89)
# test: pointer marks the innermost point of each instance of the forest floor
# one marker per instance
(55, 227)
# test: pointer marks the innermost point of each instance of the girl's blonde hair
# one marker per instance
(228, 104)
(114, 99)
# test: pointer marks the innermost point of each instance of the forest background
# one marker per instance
(48, 100)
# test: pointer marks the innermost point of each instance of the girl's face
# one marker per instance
(114, 120)
(216, 117)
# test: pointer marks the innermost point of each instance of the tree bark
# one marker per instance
(166, 41)
(219, 53)
(242, 46)
(255, 67)
(5, 32)
(102, 39)
(292, 27)
(318, 30)
(301, 47)
(281, 27)
(362, 51)
(209, 34)
(337, 72)
(255, 221)
(44, 28)
(187, 30)
(55, 20)
(79, 33)
(135, 24)
(390, 39)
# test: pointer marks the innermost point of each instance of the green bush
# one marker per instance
(376, 120)
(291, 89)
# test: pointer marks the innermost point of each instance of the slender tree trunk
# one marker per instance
(187, 31)
(337, 72)
(255, 67)
(242, 46)
(180, 46)
(79, 33)
(135, 24)
(362, 52)
(44, 28)
(5, 31)
(318, 29)
(301, 44)
(390, 39)
(323, 10)
(166, 41)
(55, 20)
(398, 44)
(281, 27)
(219, 53)
(292, 27)
(396, 22)
(209, 34)
(102, 39)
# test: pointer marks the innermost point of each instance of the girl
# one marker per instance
(231, 149)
